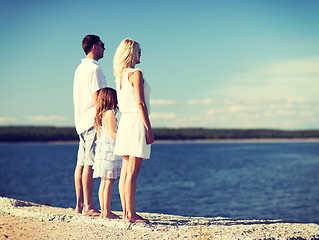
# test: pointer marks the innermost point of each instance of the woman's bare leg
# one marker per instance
(132, 171)
(122, 185)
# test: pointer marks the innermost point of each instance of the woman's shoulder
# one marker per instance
(135, 71)
(130, 71)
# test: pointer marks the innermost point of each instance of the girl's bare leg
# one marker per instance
(122, 185)
(132, 171)
(101, 196)
(107, 199)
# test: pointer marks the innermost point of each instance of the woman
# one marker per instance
(134, 134)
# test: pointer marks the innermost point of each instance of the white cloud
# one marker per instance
(284, 112)
(239, 108)
(306, 114)
(295, 66)
(275, 106)
(161, 115)
(199, 102)
(287, 112)
(243, 112)
(41, 118)
(7, 120)
(297, 78)
(216, 111)
(163, 102)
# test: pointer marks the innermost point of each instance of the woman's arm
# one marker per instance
(138, 83)
(111, 123)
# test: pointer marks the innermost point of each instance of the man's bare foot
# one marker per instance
(135, 218)
(91, 212)
(78, 210)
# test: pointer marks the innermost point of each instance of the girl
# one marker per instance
(135, 132)
(106, 165)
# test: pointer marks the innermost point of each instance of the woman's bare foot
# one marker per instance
(111, 215)
(135, 218)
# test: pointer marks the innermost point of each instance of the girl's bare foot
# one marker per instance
(91, 212)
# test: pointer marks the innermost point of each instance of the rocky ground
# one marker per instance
(25, 220)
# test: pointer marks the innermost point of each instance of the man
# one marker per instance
(88, 80)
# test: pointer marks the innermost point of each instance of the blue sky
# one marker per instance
(213, 64)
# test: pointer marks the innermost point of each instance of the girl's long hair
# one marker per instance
(126, 56)
(106, 100)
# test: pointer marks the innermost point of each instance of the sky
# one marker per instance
(210, 64)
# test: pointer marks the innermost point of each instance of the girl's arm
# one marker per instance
(95, 96)
(111, 123)
(138, 83)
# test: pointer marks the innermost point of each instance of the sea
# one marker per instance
(238, 180)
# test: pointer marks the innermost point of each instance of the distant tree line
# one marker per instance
(37, 134)
(202, 133)
(40, 134)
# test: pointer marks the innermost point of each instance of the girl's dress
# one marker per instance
(131, 134)
(106, 164)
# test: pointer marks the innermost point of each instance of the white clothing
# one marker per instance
(131, 134)
(126, 97)
(106, 164)
(88, 78)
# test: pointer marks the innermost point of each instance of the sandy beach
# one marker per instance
(25, 220)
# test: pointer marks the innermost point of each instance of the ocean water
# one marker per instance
(235, 180)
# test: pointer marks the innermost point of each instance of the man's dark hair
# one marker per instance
(88, 42)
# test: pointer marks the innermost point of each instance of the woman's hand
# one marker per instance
(149, 137)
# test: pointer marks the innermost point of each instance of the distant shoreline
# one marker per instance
(166, 141)
(244, 140)
(69, 134)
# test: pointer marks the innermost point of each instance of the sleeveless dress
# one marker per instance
(106, 164)
(131, 134)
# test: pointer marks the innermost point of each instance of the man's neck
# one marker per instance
(91, 55)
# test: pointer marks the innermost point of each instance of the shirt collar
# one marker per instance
(90, 60)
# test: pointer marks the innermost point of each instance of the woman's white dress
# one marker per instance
(131, 134)
(106, 163)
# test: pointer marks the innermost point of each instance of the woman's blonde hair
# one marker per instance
(106, 100)
(126, 56)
